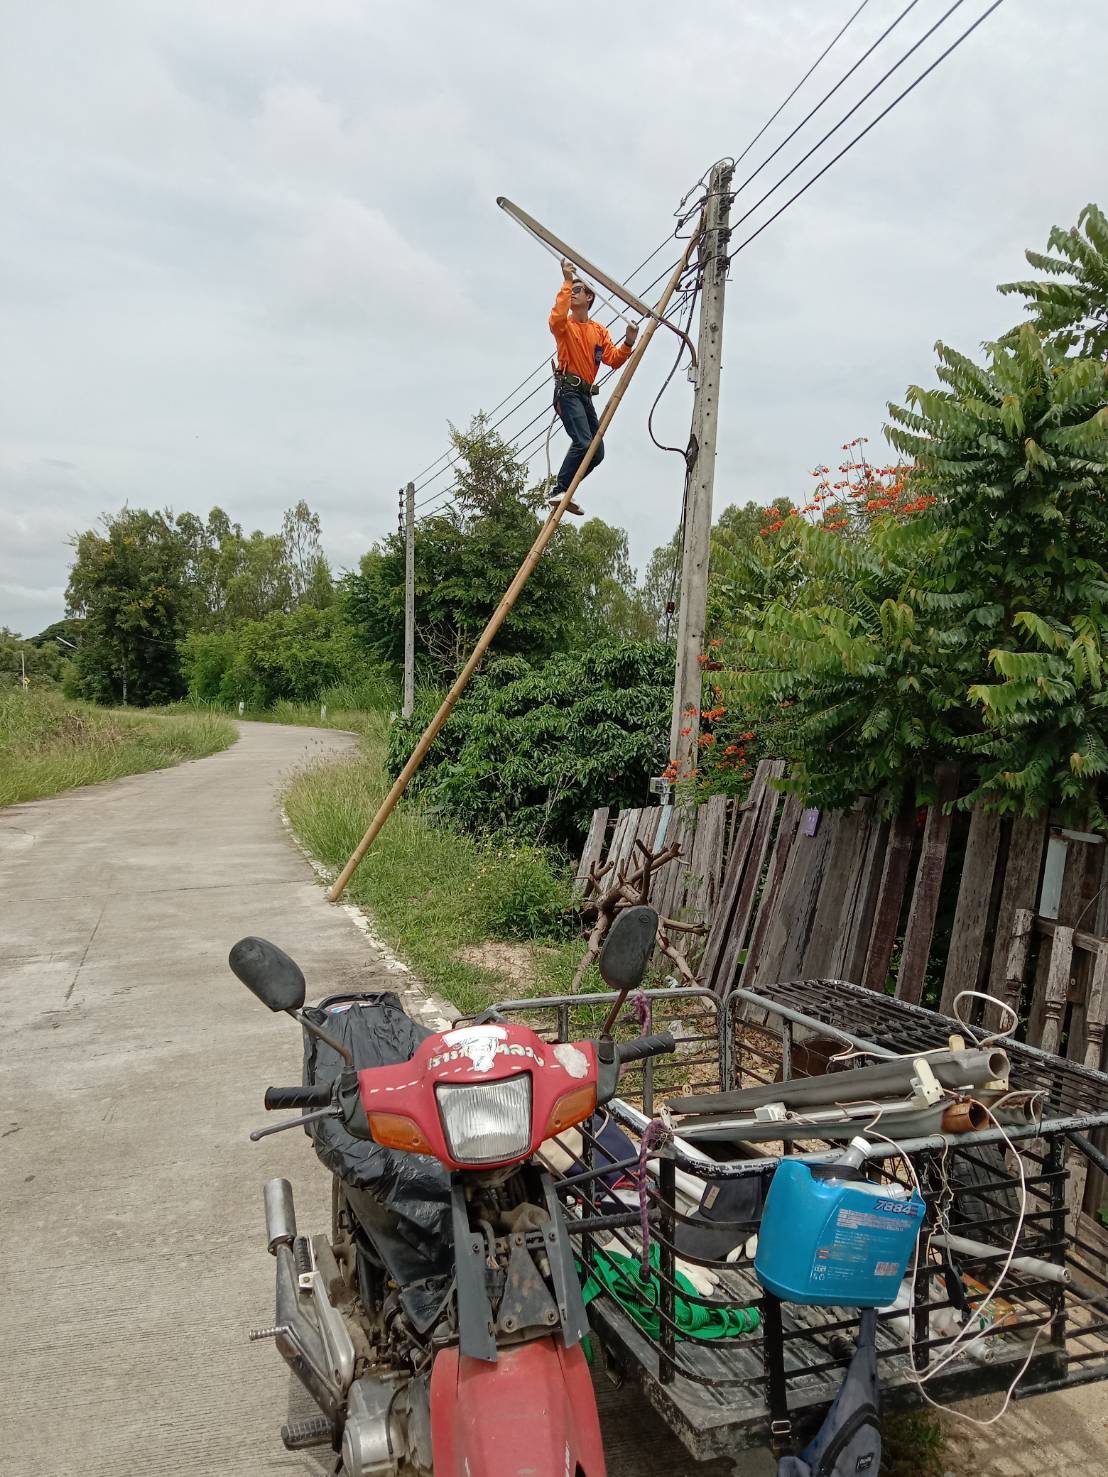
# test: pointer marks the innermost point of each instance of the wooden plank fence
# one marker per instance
(925, 906)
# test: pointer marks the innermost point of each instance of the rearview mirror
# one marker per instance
(626, 951)
(269, 973)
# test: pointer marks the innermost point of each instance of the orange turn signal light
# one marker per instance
(394, 1131)
(571, 1108)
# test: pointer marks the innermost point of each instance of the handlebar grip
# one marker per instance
(298, 1097)
(635, 1051)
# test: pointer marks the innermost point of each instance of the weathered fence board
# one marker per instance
(775, 873)
(745, 822)
(890, 897)
(848, 840)
(593, 849)
(1021, 886)
(1079, 882)
(753, 874)
(1056, 987)
(924, 907)
(970, 940)
(848, 958)
(787, 939)
(702, 886)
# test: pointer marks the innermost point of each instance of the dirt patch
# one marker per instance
(514, 961)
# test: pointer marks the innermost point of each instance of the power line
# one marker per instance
(846, 76)
(774, 116)
(872, 124)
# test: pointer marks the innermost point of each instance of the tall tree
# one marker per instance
(130, 585)
(309, 573)
(612, 608)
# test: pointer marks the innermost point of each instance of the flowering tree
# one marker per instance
(861, 493)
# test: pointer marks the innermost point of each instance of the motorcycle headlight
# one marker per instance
(488, 1122)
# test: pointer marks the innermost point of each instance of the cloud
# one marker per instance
(251, 252)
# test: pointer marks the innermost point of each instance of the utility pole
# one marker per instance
(409, 600)
(702, 447)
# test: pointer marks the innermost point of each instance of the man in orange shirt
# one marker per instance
(582, 347)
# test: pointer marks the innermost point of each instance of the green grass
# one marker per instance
(913, 1444)
(433, 891)
(300, 715)
(48, 744)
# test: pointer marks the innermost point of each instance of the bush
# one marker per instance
(525, 899)
(532, 750)
(292, 657)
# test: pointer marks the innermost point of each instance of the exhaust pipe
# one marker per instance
(280, 1214)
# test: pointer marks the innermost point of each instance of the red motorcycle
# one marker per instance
(439, 1328)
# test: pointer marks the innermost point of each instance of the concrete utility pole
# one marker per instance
(409, 600)
(698, 513)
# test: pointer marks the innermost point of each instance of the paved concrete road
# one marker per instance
(132, 1066)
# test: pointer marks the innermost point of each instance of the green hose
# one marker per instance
(620, 1276)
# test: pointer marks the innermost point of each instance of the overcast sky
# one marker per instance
(251, 253)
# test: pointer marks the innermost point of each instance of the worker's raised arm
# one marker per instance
(612, 354)
(559, 313)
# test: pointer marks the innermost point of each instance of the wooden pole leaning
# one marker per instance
(500, 614)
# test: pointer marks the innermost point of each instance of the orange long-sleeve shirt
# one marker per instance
(583, 347)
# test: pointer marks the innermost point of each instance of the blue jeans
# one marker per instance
(578, 415)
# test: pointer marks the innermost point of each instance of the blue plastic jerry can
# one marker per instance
(831, 1237)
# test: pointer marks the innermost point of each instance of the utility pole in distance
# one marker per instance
(409, 600)
(698, 513)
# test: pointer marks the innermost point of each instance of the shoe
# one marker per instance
(571, 507)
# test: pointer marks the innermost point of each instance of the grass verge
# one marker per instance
(48, 745)
(435, 893)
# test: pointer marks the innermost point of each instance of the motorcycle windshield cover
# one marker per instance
(412, 1191)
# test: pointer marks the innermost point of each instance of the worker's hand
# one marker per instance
(631, 335)
(568, 269)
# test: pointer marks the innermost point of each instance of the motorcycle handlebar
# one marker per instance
(636, 1051)
(298, 1097)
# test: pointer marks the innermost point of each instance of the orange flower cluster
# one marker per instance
(872, 491)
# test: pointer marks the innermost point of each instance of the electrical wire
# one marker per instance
(827, 96)
(872, 124)
(774, 116)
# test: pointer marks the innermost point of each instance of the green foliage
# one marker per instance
(48, 745)
(524, 898)
(533, 750)
(292, 657)
(973, 633)
(130, 584)
(41, 660)
(1069, 303)
(611, 608)
(1016, 453)
(152, 578)
(864, 685)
